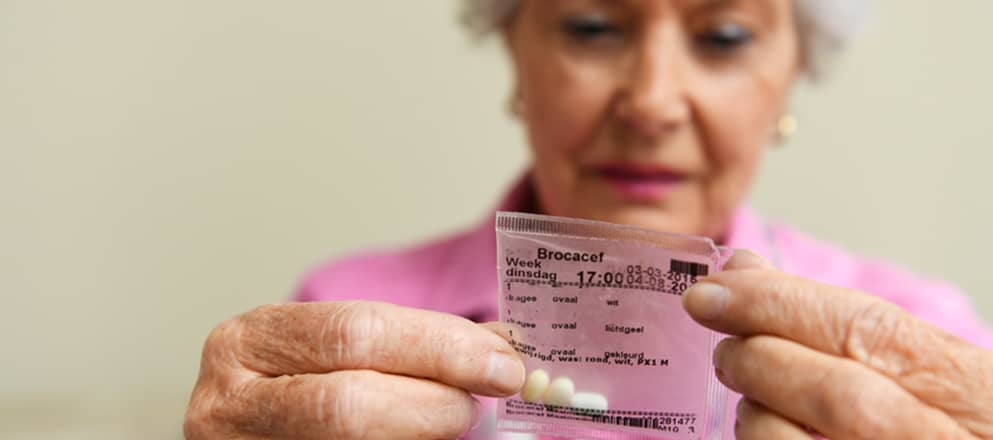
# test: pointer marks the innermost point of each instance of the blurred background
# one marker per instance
(165, 165)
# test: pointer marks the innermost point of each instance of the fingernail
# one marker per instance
(719, 352)
(705, 300)
(740, 410)
(478, 417)
(505, 373)
(719, 370)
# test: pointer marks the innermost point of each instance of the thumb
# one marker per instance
(502, 329)
(745, 259)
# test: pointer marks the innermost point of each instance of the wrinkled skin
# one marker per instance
(348, 370)
(839, 362)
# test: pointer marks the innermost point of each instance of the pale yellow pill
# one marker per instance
(535, 386)
(589, 402)
(560, 392)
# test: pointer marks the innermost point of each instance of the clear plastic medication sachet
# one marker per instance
(595, 311)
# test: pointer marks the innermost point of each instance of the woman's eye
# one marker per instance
(585, 29)
(725, 38)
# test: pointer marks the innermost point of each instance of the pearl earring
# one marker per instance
(515, 106)
(786, 128)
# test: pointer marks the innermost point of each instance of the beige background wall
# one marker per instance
(167, 164)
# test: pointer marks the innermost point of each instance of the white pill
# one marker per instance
(589, 402)
(535, 386)
(560, 392)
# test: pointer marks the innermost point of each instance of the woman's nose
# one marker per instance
(653, 99)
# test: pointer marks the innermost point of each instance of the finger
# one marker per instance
(504, 330)
(758, 301)
(355, 404)
(324, 337)
(745, 259)
(838, 397)
(938, 368)
(755, 422)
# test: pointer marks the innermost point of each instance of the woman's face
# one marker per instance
(651, 112)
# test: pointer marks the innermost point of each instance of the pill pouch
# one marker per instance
(599, 304)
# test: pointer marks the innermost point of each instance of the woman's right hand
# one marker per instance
(348, 370)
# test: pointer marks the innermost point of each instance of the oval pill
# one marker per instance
(589, 402)
(560, 392)
(535, 386)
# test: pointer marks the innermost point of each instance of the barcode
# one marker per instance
(654, 420)
(691, 269)
(656, 423)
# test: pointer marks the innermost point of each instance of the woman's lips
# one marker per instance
(640, 183)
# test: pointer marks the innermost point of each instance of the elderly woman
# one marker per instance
(654, 113)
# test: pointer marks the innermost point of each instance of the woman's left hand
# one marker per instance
(807, 356)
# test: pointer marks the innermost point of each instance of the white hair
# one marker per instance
(825, 26)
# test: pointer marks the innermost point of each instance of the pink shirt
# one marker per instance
(457, 275)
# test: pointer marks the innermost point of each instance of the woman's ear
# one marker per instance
(510, 28)
(515, 104)
(510, 37)
(507, 34)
